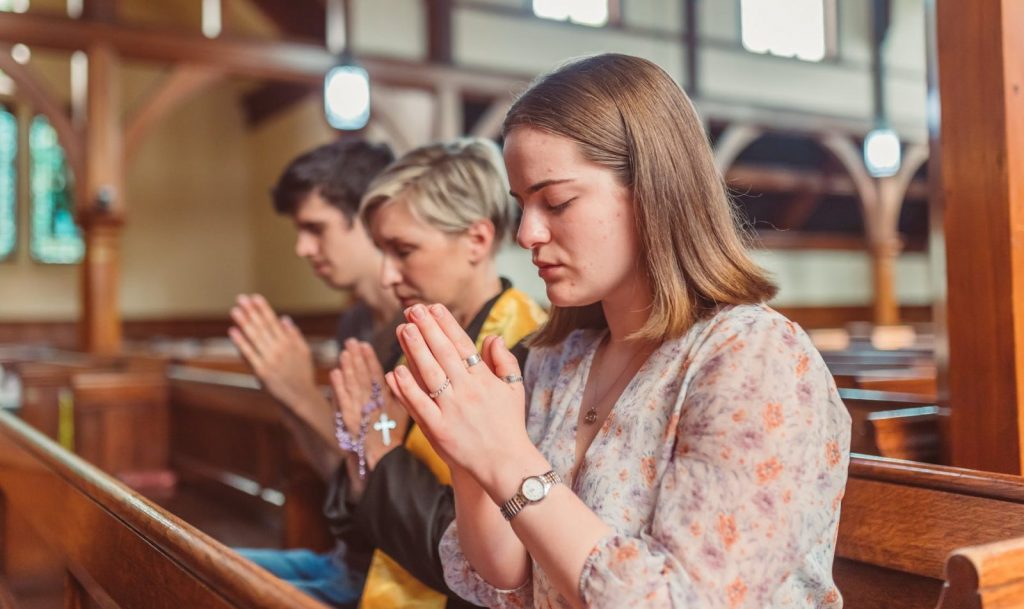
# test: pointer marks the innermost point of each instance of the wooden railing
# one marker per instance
(117, 548)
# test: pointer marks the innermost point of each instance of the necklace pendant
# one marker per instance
(591, 417)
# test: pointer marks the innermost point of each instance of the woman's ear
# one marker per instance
(480, 239)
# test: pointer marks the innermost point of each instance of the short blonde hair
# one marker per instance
(627, 114)
(449, 185)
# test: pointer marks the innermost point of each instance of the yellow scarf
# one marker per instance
(389, 586)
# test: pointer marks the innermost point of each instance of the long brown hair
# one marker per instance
(628, 115)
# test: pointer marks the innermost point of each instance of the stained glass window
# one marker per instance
(8, 184)
(55, 237)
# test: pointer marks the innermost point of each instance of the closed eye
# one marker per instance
(557, 209)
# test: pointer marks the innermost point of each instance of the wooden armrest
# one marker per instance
(988, 576)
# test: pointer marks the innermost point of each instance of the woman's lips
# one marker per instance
(548, 270)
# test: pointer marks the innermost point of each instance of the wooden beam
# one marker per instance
(439, 31)
(100, 10)
(296, 20)
(733, 141)
(765, 178)
(286, 61)
(183, 83)
(272, 99)
(981, 63)
(794, 240)
(448, 107)
(489, 125)
(881, 226)
(45, 101)
(299, 19)
(799, 210)
(102, 205)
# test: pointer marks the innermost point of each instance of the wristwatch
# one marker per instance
(532, 490)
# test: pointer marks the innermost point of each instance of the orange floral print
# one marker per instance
(700, 472)
(772, 415)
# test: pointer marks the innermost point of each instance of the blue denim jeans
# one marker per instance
(325, 577)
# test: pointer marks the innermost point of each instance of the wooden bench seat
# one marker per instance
(115, 548)
(907, 527)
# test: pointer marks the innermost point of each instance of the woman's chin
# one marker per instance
(563, 298)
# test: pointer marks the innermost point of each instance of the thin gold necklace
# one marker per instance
(591, 415)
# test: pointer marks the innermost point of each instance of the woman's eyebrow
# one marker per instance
(541, 185)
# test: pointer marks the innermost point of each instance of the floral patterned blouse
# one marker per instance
(721, 470)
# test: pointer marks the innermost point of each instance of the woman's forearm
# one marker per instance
(558, 533)
(487, 540)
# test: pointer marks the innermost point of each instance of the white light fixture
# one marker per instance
(79, 87)
(74, 9)
(211, 18)
(21, 53)
(882, 154)
(19, 6)
(347, 96)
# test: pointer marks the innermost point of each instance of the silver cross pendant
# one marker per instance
(384, 425)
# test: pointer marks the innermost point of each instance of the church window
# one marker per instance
(803, 29)
(8, 183)
(55, 237)
(584, 12)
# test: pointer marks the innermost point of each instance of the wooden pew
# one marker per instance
(227, 435)
(907, 527)
(111, 411)
(862, 404)
(121, 425)
(913, 434)
(116, 549)
(919, 381)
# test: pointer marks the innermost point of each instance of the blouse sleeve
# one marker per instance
(467, 583)
(752, 490)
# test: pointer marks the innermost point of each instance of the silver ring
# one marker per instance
(473, 360)
(512, 378)
(447, 383)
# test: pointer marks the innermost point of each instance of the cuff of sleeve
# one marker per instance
(595, 578)
(463, 579)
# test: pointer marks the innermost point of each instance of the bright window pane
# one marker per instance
(8, 184)
(787, 28)
(55, 237)
(585, 12)
(17, 6)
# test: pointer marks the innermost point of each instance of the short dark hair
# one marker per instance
(339, 172)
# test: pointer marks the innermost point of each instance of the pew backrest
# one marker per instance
(901, 521)
(118, 549)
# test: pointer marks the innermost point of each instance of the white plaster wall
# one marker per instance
(526, 45)
(823, 278)
(389, 27)
(186, 246)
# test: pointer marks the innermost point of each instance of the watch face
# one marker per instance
(533, 489)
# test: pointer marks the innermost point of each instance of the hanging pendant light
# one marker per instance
(346, 85)
(882, 147)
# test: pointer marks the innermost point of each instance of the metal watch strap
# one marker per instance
(513, 506)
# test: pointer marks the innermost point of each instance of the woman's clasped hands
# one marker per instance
(470, 405)
(371, 421)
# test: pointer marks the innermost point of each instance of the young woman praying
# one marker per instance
(676, 442)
